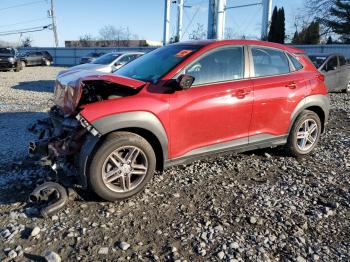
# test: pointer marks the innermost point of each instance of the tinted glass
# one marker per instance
(105, 59)
(153, 65)
(218, 66)
(332, 64)
(7, 51)
(269, 62)
(318, 60)
(342, 60)
(297, 65)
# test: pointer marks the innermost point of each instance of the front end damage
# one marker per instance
(65, 139)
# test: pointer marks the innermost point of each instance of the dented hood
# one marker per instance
(69, 86)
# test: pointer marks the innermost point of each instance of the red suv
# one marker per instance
(179, 103)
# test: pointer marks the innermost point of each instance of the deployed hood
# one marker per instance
(69, 87)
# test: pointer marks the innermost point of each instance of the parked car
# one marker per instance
(9, 59)
(180, 103)
(107, 63)
(90, 57)
(31, 58)
(336, 69)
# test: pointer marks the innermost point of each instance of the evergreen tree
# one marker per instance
(277, 31)
(339, 20)
(296, 38)
(281, 33)
(273, 27)
(329, 41)
(312, 34)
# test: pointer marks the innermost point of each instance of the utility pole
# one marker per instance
(180, 12)
(54, 26)
(216, 19)
(166, 29)
(266, 18)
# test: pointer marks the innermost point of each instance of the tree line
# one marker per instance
(331, 22)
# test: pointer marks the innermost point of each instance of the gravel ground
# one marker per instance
(257, 206)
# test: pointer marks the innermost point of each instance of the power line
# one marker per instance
(25, 22)
(20, 5)
(26, 30)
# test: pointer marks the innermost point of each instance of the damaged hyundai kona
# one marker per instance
(177, 104)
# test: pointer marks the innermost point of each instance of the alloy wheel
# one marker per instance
(307, 134)
(124, 169)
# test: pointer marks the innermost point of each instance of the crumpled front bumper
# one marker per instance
(59, 141)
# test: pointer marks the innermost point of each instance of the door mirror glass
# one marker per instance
(185, 81)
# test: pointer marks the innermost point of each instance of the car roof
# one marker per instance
(325, 54)
(125, 52)
(218, 43)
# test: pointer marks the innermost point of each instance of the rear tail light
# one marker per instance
(321, 77)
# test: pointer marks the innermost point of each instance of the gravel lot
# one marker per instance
(257, 206)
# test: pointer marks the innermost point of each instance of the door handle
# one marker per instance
(241, 93)
(292, 85)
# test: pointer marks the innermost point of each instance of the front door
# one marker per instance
(215, 112)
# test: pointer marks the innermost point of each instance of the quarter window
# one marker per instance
(297, 65)
(268, 62)
(218, 66)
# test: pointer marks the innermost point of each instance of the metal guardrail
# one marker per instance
(71, 56)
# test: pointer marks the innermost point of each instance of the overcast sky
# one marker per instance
(143, 17)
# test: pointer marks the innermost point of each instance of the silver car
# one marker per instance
(107, 63)
(336, 70)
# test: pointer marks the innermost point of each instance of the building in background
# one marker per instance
(111, 43)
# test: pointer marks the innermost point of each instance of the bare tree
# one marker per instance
(319, 8)
(110, 32)
(86, 40)
(197, 33)
(27, 42)
(229, 33)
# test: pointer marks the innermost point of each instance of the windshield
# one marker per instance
(6, 51)
(154, 65)
(105, 59)
(317, 60)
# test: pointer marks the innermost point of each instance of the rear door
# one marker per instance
(278, 88)
(215, 112)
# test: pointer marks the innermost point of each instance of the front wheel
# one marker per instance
(46, 62)
(305, 134)
(121, 166)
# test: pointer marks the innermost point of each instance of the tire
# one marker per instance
(46, 62)
(23, 64)
(18, 67)
(104, 159)
(296, 142)
(347, 89)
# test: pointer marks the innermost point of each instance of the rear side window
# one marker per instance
(297, 65)
(218, 66)
(342, 60)
(268, 62)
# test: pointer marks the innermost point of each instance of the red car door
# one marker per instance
(216, 111)
(277, 91)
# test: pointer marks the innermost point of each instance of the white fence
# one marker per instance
(71, 56)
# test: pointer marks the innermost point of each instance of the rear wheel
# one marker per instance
(305, 134)
(46, 62)
(347, 89)
(121, 166)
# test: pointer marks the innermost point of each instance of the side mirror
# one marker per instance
(185, 81)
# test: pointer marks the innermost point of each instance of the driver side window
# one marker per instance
(218, 66)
